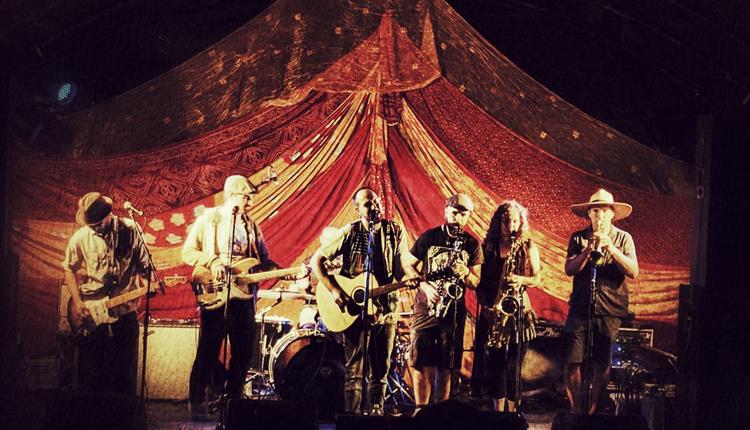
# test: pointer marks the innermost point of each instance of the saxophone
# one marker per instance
(449, 290)
(510, 301)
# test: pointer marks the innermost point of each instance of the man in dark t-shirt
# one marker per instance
(439, 312)
(610, 251)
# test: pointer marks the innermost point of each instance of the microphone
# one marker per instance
(373, 214)
(235, 210)
(130, 208)
(597, 254)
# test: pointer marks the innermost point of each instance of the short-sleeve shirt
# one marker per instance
(390, 244)
(433, 248)
(113, 261)
(612, 284)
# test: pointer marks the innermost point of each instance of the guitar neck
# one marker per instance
(124, 298)
(271, 274)
(385, 289)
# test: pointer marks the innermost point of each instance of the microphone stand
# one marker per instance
(221, 425)
(150, 271)
(364, 315)
(519, 339)
(589, 373)
(452, 353)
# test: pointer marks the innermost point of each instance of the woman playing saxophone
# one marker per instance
(511, 264)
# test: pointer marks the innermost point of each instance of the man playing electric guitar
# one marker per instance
(114, 258)
(389, 251)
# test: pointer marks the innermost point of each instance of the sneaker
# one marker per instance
(377, 410)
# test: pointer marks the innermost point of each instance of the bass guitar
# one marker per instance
(338, 319)
(212, 293)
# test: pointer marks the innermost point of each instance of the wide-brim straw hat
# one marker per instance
(603, 198)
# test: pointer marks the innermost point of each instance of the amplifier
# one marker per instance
(625, 336)
(635, 336)
(171, 351)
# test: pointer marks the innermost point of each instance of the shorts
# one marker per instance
(604, 329)
(433, 347)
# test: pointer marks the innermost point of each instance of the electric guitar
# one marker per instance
(99, 306)
(338, 319)
(212, 293)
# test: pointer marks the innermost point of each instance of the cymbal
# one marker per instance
(272, 319)
(283, 295)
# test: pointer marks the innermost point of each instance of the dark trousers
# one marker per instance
(241, 328)
(108, 357)
(494, 370)
(380, 346)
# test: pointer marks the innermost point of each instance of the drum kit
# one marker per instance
(303, 361)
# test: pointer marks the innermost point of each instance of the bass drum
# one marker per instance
(308, 365)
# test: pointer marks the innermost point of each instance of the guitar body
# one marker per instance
(334, 317)
(98, 307)
(212, 294)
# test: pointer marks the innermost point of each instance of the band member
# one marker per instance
(438, 323)
(511, 261)
(612, 252)
(115, 261)
(207, 245)
(389, 255)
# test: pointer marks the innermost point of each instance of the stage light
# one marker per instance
(66, 93)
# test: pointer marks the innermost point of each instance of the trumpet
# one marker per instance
(597, 255)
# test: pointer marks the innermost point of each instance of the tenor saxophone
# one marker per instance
(510, 301)
(449, 290)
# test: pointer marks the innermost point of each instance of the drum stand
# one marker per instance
(397, 393)
(258, 382)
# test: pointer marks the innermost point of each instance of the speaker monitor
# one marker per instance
(454, 414)
(596, 422)
(171, 351)
(94, 411)
(248, 414)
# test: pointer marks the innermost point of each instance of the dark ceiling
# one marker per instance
(646, 67)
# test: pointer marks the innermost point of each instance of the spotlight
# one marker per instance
(66, 93)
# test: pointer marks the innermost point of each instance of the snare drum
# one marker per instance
(308, 365)
(268, 331)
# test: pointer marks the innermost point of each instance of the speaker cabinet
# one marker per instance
(596, 422)
(247, 414)
(454, 414)
(171, 351)
(94, 411)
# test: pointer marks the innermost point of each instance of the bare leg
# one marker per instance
(601, 378)
(443, 385)
(498, 404)
(573, 386)
(511, 406)
(422, 385)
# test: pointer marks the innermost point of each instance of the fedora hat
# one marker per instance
(92, 208)
(603, 198)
